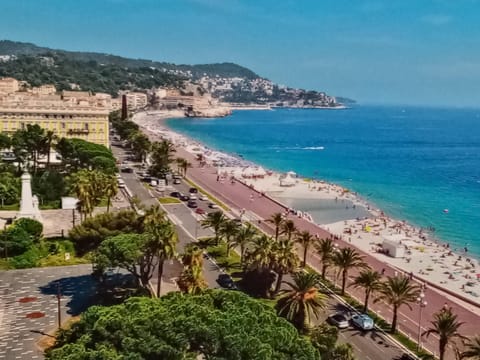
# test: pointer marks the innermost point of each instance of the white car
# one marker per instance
(363, 321)
(213, 206)
(202, 197)
(339, 320)
(193, 197)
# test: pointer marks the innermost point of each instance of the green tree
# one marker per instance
(325, 250)
(285, 260)
(305, 239)
(445, 325)
(277, 220)
(14, 241)
(215, 220)
(229, 231)
(324, 337)
(346, 259)
(9, 188)
(214, 324)
(5, 141)
(140, 144)
(191, 280)
(244, 237)
(49, 141)
(369, 280)
(161, 157)
(33, 227)
(28, 143)
(397, 291)
(288, 229)
(302, 301)
(110, 188)
(472, 351)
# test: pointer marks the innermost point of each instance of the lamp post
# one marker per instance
(421, 304)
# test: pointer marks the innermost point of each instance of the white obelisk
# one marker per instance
(28, 203)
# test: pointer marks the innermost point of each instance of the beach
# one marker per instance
(354, 220)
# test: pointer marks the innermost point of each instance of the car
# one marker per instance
(202, 197)
(175, 194)
(184, 197)
(176, 181)
(363, 321)
(126, 170)
(121, 183)
(193, 197)
(176, 176)
(199, 211)
(193, 190)
(192, 204)
(225, 281)
(213, 206)
(407, 356)
(339, 320)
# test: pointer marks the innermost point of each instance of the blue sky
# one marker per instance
(375, 51)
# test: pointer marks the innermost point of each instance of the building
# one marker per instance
(44, 90)
(71, 114)
(135, 100)
(9, 85)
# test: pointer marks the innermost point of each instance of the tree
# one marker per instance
(49, 141)
(110, 189)
(161, 157)
(132, 252)
(346, 259)
(445, 325)
(285, 260)
(397, 291)
(229, 231)
(369, 280)
(215, 220)
(304, 238)
(277, 220)
(325, 250)
(302, 301)
(28, 143)
(244, 237)
(472, 351)
(9, 188)
(140, 144)
(288, 228)
(5, 141)
(324, 337)
(33, 227)
(214, 324)
(14, 241)
(162, 238)
(191, 280)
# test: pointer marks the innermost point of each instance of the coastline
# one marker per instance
(427, 259)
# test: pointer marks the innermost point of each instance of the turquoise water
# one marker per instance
(411, 162)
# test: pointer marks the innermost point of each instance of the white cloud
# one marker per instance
(436, 19)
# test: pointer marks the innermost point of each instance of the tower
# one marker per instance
(28, 203)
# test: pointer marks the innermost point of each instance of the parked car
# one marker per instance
(121, 183)
(176, 176)
(193, 190)
(192, 204)
(126, 170)
(213, 206)
(193, 197)
(184, 197)
(175, 194)
(406, 356)
(363, 321)
(225, 281)
(176, 181)
(202, 197)
(339, 320)
(200, 211)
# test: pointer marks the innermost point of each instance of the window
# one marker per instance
(63, 125)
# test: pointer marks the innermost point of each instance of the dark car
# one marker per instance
(192, 204)
(126, 170)
(193, 190)
(175, 194)
(225, 281)
(184, 197)
(407, 356)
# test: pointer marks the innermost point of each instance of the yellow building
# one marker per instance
(87, 123)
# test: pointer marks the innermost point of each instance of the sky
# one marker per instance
(418, 52)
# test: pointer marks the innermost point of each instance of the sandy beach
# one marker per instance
(343, 214)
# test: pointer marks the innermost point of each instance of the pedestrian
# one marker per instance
(383, 271)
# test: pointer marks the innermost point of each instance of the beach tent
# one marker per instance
(289, 179)
(393, 248)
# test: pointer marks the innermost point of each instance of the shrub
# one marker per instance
(33, 227)
(16, 240)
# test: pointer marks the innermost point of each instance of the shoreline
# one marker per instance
(427, 258)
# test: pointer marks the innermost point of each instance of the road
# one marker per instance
(372, 345)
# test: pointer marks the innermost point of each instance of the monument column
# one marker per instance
(28, 205)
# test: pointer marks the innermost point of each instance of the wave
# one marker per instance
(276, 148)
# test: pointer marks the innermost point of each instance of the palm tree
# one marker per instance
(49, 139)
(140, 144)
(110, 189)
(191, 280)
(215, 220)
(164, 236)
(184, 166)
(228, 231)
(302, 301)
(304, 238)
(325, 249)
(286, 260)
(370, 281)
(445, 325)
(473, 349)
(345, 259)
(277, 220)
(288, 228)
(243, 237)
(261, 254)
(398, 291)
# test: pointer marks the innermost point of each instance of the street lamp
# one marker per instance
(421, 304)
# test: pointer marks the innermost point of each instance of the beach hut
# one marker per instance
(289, 179)
(393, 248)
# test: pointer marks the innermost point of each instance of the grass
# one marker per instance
(210, 197)
(168, 200)
(12, 207)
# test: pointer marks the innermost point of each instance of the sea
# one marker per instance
(418, 164)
